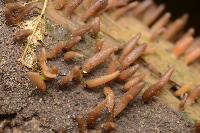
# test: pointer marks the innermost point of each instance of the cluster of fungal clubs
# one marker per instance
(122, 67)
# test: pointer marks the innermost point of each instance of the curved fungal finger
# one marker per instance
(113, 65)
(153, 15)
(182, 45)
(175, 27)
(56, 50)
(95, 113)
(193, 96)
(91, 84)
(132, 82)
(75, 73)
(22, 34)
(110, 97)
(45, 69)
(71, 55)
(116, 3)
(192, 56)
(109, 126)
(72, 42)
(127, 73)
(156, 88)
(93, 27)
(36, 80)
(133, 56)
(97, 59)
(81, 124)
(94, 9)
(127, 98)
(162, 22)
(71, 6)
(130, 46)
(59, 4)
(190, 32)
(184, 89)
(142, 7)
(120, 12)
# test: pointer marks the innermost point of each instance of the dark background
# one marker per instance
(179, 7)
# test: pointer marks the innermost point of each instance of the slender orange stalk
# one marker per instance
(56, 50)
(92, 27)
(45, 69)
(182, 45)
(127, 73)
(72, 55)
(97, 59)
(95, 113)
(133, 56)
(120, 12)
(37, 81)
(162, 22)
(127, 98)
(91, 84)
(132, 82)
(155, 35)
(94, 9)
(152, 16)
(192, 56)
(156, 88)
(142, 7)
(72, 42)
(129, 46)
(175, 27)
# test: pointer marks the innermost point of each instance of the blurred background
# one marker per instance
(179, 7)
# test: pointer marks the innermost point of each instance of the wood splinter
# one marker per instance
(156, 88)
(94, 9)
(91, 84)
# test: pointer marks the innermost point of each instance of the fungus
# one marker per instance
(91, 84)
(127, 98)
(97, 59)
(132, 82)
(133, 56)
(72, 55)
(156, 88)
(127, 73)
(129, 46)
(94, 9)
(36, 80)
(193, 96)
